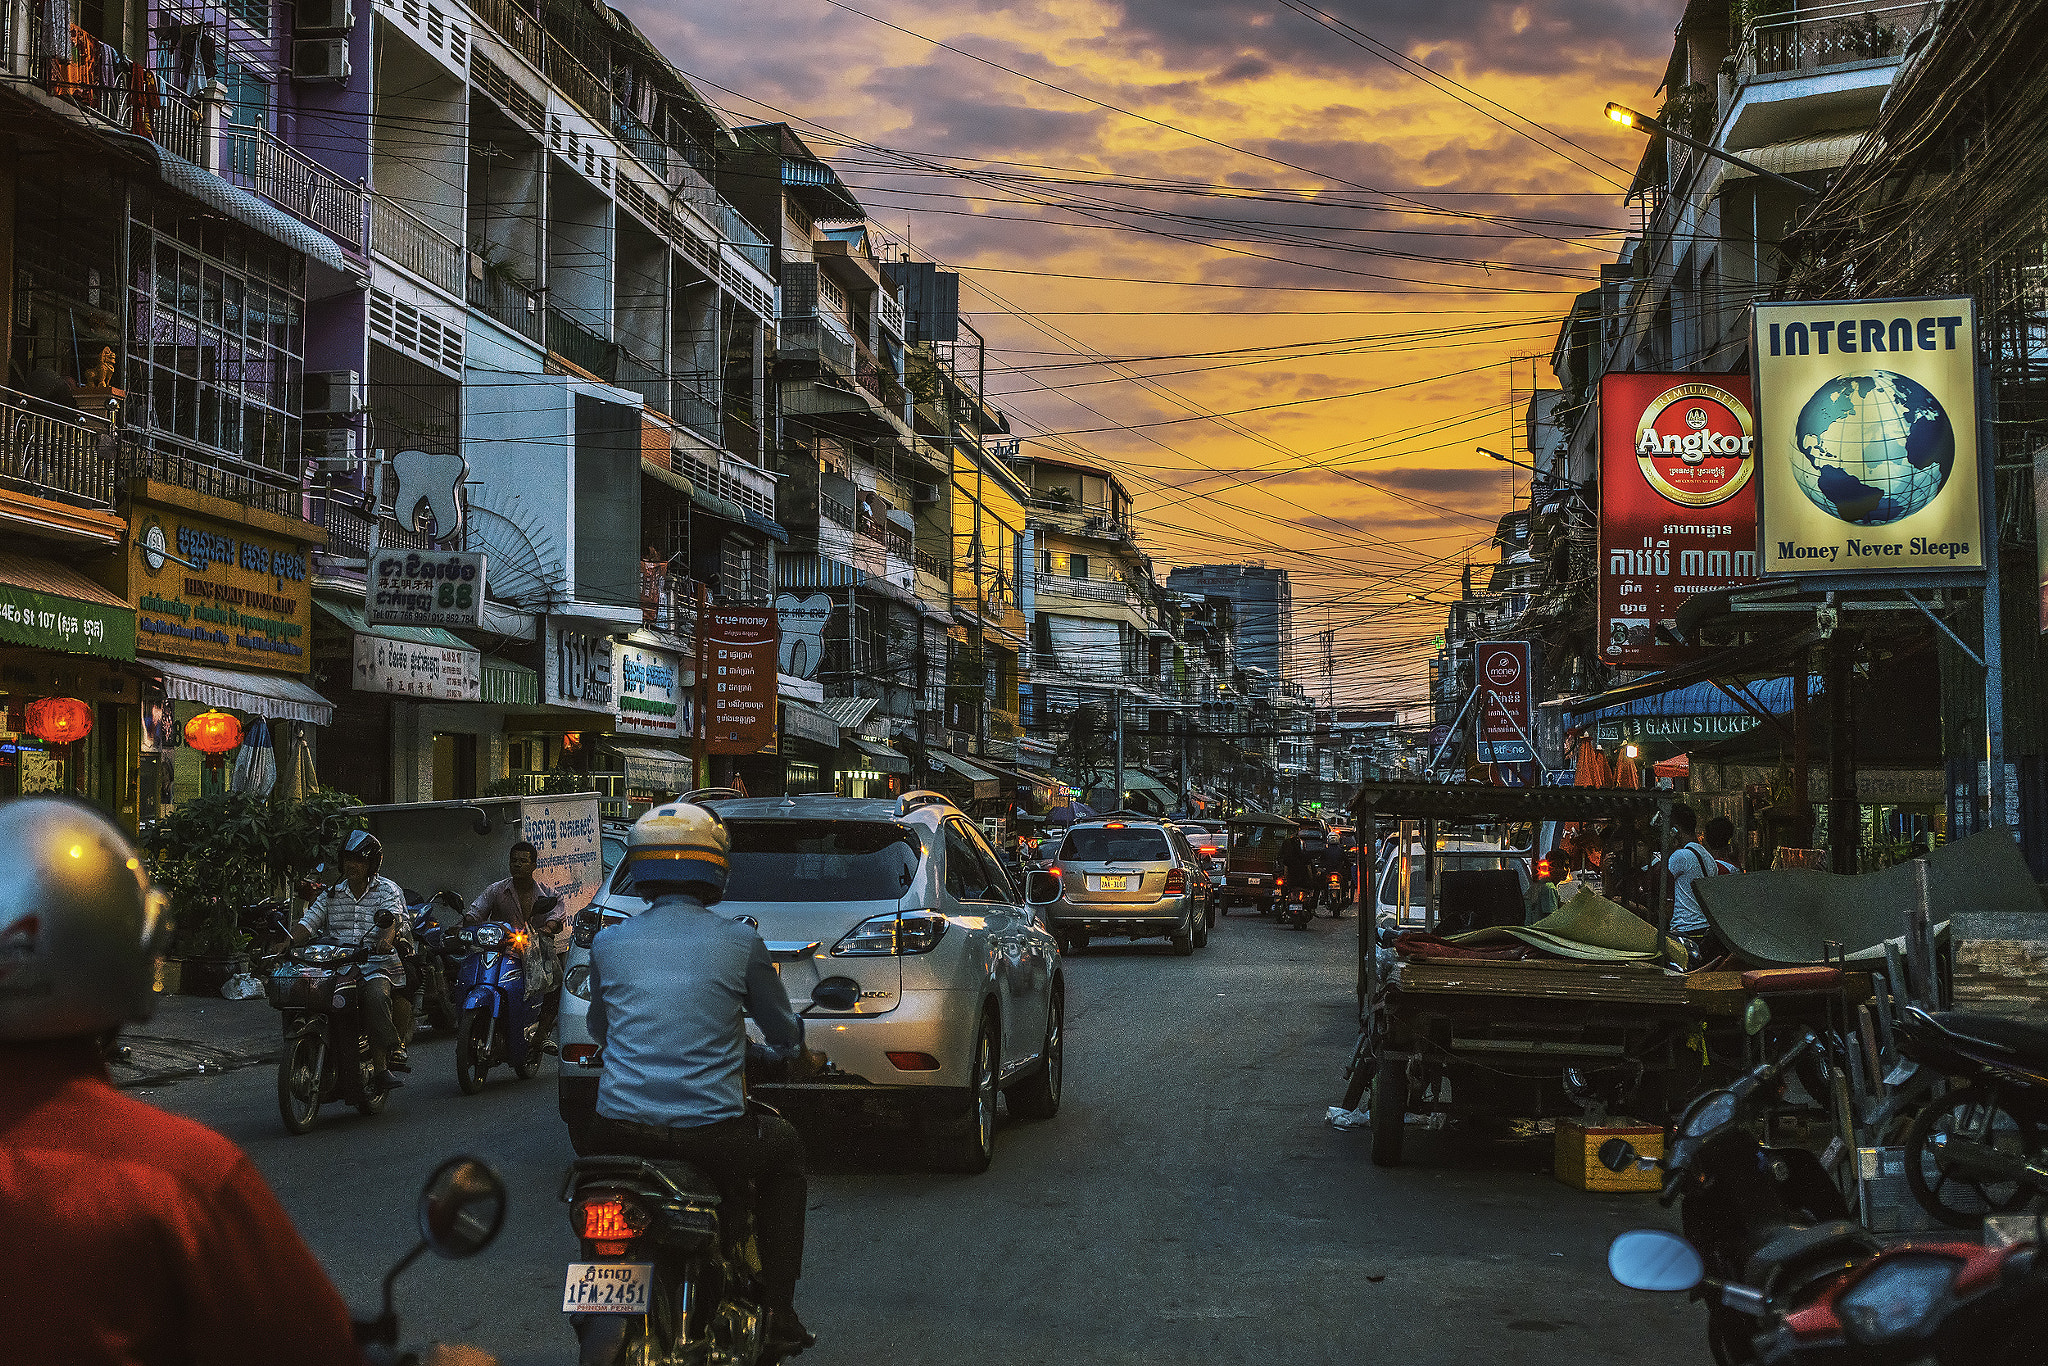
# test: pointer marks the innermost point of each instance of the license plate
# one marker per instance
(1255, 881)
(1115, 884)
(607, 1287)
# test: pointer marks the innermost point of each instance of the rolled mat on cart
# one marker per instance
(1588, 927)
(1786, 918)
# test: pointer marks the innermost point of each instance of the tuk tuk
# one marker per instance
(1252, 862)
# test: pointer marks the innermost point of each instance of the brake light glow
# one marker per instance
(1544, 871)
(1114, 825)
(610, 1221)
(1176, 881)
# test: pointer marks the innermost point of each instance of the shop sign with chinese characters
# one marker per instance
(427, 588)
(1677, 506)
(404, 668)
(739, 654)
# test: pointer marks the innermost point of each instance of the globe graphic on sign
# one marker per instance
(1873, 448)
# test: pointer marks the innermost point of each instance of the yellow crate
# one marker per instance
(1578, 1155)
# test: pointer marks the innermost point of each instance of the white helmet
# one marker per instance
(81, 929)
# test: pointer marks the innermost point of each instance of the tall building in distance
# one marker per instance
(1264, 604)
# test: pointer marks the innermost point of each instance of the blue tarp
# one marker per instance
(1704, 699)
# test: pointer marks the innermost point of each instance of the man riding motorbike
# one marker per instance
(348, 910)
(511, 902)
(127, 1235)
(1301, 858)
(667, 991)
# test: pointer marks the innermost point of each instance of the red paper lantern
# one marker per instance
(59, 720)
(213, 732)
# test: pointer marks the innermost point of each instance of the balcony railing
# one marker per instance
(1829, 35)
(509, 302)
(255, 160)
(639, 139)
(72, 65)
(644, 378)
(581, 346)
(216, 481)
(179, 126)
(50, 456)
(405, 239)
(348, 529)
(839, 512)
(1095, 590)
(931, 564)
(822, 338)
(742, 236)
(1079, 521)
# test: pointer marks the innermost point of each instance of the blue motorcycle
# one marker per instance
(501, 1024)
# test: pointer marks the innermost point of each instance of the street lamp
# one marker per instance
(1520, 465)
(1631, 118)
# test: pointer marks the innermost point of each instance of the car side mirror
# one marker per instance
(1041, 887)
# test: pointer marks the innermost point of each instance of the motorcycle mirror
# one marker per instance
(1756, 1015)
(1654, 1259)
(1617, 1154)
(462, 1208)
(542, 905)
(384, 918)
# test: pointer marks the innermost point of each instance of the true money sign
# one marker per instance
(1867, 436)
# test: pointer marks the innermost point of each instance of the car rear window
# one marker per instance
(1099, 844)
(797, 860)
(1259, 839)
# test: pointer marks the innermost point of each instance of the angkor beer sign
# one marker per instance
(1507, 700)
(1677, 505)
(1867, 435)
(739, 679)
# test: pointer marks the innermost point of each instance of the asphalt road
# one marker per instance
(1188, 1203)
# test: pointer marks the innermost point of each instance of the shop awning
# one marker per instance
(767, 526)
(1736, 662)
(54, 607)
(985, 783)
(1824, 153)
(1138, 781)
(662, 474)
(662, 770)
(509, 684)
(880, 756)
(358, 621)
(849, 712)
(279, 699)
(803, 722)
(1774, 695)
(238, 204)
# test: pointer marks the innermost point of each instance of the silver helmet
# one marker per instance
(81, 929)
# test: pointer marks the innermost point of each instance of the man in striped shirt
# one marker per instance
(347, 912)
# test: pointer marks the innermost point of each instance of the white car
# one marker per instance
(919, 970)
(1455, 856)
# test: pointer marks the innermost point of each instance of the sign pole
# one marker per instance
(1994, 644)
(699, 758)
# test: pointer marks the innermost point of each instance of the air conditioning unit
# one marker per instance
(332, 451)
(320, 59)
(324, 16)
(332, 391)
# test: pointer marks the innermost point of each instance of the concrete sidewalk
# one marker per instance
(195, 1035)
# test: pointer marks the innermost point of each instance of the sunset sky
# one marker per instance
(1338, 244)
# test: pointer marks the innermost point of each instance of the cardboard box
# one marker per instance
(1578, 1155)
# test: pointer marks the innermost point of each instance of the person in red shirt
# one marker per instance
(128, 1236)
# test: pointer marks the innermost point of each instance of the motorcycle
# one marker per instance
(461, 1210)
(1788, 1278)
(318, 988)
(1297, 901)
(437, 958)
(1339, 889)
(501, 1020)
(669, 1270)
(1979, 1148)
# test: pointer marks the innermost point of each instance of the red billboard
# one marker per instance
(1677, 505)
(1507, 721)
(739, 678)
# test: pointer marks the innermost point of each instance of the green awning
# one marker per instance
(53, 606)
(509, 684)
(358, 621)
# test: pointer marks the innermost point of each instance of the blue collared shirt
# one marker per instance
(667, 992)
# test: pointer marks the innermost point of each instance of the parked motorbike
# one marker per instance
(669, 1269)
(501, 1019)
(318, 987)
(436, 959)
(461, 1210)
(1980, 1148)
(1297, 901)
(1788, 1278)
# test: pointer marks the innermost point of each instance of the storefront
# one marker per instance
(223, 620)
(69, 719)
(570, 727)
(809, 742)
(652, 718)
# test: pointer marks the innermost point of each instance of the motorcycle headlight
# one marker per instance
(323, 954)
(489, 936)
(577, 981)
(1712, 1113)
(1897, 1298)
(884, 936)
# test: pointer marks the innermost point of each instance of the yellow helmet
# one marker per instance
(680, 842)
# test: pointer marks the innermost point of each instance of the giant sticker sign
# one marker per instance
(1677, 505)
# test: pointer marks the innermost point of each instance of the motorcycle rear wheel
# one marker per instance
(473, 1051)
(1972, 1113)
(298, 1083)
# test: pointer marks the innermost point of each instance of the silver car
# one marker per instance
(901, 940)
(1133, 876)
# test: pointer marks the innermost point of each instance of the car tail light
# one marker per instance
(1544, 871)
(609, 1220)
(914, 1062)
(1176, 881)
(1208, 849)
(893, 935)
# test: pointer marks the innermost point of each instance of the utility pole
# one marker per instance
(1185, 720)
(1119, 696)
